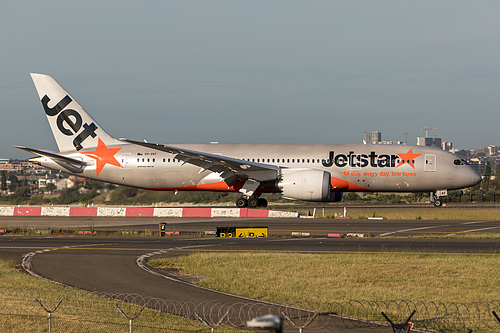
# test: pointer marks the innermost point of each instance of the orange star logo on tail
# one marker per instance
(409, 158)
(103, 155)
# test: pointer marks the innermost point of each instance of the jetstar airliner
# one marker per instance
(320, 172)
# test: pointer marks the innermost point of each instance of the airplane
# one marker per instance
(309, 172)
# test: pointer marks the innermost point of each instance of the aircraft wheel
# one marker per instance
(438, 203)
(262, 203)
(241, 203)
(253, 202)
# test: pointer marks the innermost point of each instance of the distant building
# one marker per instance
(10, 165)
(429, 142)
(372, 137)
(492, 150)
(478, 165)
(446, 145)
(480, 151)
(391, 142)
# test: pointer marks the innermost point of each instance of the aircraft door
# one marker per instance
(430, 162)
(125, 161)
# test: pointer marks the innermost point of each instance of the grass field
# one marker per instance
(285, 277)
(11, 277)
(293, 277)
(79, 311)
(424, 213)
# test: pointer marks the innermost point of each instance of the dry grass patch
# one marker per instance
(21, 313)
(285, 277)
(10, 276)
(425, 213)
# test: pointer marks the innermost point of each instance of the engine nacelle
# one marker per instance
(305, 184)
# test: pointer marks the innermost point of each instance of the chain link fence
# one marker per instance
(70, 310)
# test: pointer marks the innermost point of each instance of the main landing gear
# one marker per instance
(251, 202)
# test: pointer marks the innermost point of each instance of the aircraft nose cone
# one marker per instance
(476, 177)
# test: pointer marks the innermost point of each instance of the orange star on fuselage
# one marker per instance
(409, 158)
(103, 155)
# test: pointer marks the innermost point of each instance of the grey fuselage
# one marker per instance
(353, 167)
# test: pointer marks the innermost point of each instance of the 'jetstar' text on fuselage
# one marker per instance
(361, 160)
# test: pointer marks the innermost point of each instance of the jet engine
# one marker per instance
(305, 184)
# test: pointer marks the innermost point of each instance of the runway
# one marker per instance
(109, 264)
(277, 226)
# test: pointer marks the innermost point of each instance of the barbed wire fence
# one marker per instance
(70, 310)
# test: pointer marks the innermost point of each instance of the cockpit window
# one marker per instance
(460, 162)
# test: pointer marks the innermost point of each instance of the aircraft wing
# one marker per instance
(54, 156)
(232, 170)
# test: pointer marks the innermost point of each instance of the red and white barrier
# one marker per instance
(142, 212)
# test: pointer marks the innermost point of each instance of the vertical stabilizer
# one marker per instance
(73, 128)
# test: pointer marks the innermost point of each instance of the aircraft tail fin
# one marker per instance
(72, 126)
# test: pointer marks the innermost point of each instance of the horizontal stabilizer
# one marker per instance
(54, 156)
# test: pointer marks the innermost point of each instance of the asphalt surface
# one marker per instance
(277, 227)
(109, 264)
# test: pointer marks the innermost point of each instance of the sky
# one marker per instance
(255, 71)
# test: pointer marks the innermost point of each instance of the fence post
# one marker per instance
(400, 327)
(212, 327)
(130, 319)
(496, 316)
(50, 311)
(301, 328)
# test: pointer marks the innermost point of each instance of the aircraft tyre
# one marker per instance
(241, 203)
(438, 203)
(262, 202)
(253, 202)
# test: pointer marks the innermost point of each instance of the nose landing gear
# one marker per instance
(437, 199)
(438, 202)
